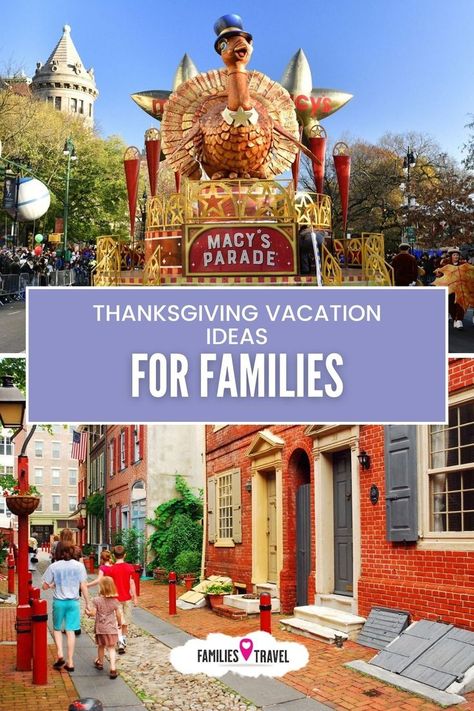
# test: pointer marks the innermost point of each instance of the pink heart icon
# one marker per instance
(246, 647)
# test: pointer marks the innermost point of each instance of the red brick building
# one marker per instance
(293, 508)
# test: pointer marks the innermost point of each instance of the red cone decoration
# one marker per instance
(153, 150)
(131, 164)
(177, 180)
(295, 167)
(317, 145)
(342, 164)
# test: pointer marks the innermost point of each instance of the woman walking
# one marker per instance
(108, 617)
(66, 576)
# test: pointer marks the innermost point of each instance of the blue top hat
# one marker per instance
(229, 26)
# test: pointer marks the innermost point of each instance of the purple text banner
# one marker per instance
(237, 355)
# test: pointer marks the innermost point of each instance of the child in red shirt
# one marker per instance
(122, 575)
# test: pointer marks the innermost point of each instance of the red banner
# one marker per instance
(342, 164)
(153, 149)
(317, 145)
(241, 249)
(131, 164)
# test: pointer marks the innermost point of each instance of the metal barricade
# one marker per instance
(9, 288)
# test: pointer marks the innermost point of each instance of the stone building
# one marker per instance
(294, 510)
(64, 82)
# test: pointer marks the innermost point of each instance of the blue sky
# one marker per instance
(409, 63)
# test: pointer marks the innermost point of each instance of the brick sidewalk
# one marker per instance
(325, 678)
(17, 692)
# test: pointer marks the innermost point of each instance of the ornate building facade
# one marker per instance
(64, 82)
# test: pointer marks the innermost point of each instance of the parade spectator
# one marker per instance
(405, 267)
(108, 620)
(122, 574)
(456, 312)
(66, 576)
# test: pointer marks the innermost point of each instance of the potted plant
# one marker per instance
(19, 502)
(187, 565)
(215, 593)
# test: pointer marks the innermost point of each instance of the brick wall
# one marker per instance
(227, 449)
(430, 584)
(119, 485)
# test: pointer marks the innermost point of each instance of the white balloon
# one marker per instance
(33, 200)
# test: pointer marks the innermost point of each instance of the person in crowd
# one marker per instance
(122, 574)
(456, 311)
(32, 553)
(65, 577)
(405, 267)
(106, 562)
(108, 620)
(54, 545)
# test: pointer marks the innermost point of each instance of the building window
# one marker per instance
(55, 477)
(6, 446)
(81, 106)
(56, 450)
(74, 106)
(5, 470)
(451, 471)
(72, 477)
(72, 503)
(90, 110)
(57, 103)
(38, 448)
(50, 100)
(38, 475)
(136, 443)
(224, 506)
(122, 450)
(111, 459)
(56, 500)
(40, 505)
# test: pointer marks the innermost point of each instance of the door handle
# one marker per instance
(348, 497)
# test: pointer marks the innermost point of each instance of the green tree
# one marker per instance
(178, 526)
(34, 132)
(15, 367)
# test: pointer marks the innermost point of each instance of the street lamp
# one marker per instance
(409, 201)
(70, 152)
(12, 408)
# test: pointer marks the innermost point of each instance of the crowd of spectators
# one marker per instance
(22, 260)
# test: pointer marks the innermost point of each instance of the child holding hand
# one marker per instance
(108, 619)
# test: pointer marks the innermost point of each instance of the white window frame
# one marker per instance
(38, 481)
(53, 497)
(53, 455)
(111, 459)
(72, 506)
(70, 471)
(40, 443)
(136, 443)
(122, 444)
(224, 541)
(438, 540)
(53, 482)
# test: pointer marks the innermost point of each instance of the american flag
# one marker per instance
(79, 446)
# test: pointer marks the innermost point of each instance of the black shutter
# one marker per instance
(401, 482)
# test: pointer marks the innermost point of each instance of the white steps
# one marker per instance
(324, 623)
(311, 630)
(345, 603)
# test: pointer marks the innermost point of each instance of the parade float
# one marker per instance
(233, 138)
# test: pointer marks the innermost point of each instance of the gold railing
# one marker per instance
(132, 255)
(331, 270)
(238, 201)
(376, 269)
(313, 209)
(107, 270)
(152, 270)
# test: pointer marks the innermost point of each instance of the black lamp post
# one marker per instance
(69, 151)
(409, 162)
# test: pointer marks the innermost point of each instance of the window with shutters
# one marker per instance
(111, 458)
(122, 450)
(451, 472)
(136, 443)
(224, 509)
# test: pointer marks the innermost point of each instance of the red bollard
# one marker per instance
(34, 594)
(265, 612)
(11, 573)
(39, 620)
(172, 593)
